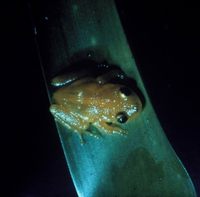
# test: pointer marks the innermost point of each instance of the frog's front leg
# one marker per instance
(110, 128)
(72, 121)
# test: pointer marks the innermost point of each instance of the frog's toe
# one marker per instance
(90, 133)
(94, 133)
(92, 130)
(82, 141)
(121, 132)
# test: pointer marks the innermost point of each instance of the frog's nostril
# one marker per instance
(126, 91)
(122, 117)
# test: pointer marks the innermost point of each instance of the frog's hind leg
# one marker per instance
(112, 74)
(68, 78)
(82, 81)
(70, 75)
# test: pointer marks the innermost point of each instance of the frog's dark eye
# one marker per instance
(126, 91)
(122, 117)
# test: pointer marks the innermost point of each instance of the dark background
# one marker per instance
(165, 41)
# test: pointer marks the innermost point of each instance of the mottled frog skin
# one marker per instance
(82, 102)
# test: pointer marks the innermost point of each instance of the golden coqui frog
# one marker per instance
(82, 102)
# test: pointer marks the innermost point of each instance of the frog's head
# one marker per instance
(127, 105)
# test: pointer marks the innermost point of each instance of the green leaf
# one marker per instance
(141, 164)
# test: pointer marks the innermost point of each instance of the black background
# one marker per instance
(164, 38)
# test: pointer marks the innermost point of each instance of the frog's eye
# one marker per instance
(122, 117)
(126, 91)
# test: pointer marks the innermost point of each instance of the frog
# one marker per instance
(84, 101)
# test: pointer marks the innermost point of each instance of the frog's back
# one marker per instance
(93, 88)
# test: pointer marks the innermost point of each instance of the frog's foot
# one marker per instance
(119, 131)
(89, 131)
(93, 134)
(85, 132)
(93, 131)
(111, 128)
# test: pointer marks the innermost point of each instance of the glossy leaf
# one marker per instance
(141, 164)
